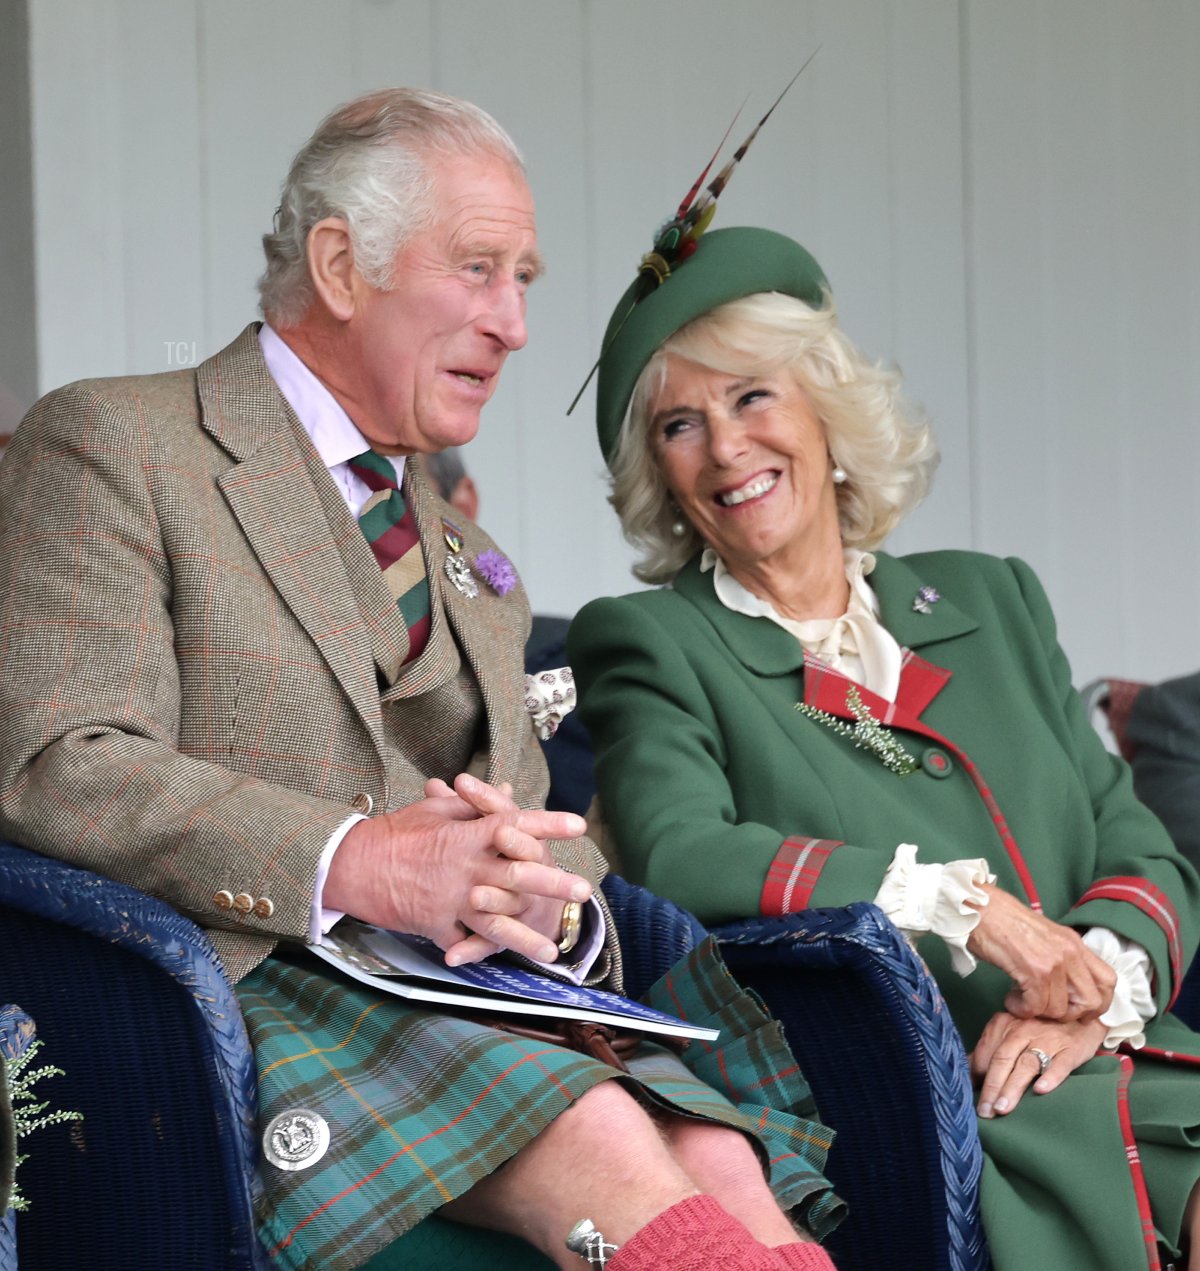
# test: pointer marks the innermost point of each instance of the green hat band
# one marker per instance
(726, 265)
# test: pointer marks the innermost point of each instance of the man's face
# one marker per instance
(427, 354)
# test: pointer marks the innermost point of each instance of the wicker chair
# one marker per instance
(131, 1002)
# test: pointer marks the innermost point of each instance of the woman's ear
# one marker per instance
(331, 266)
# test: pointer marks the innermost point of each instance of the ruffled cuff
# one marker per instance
(921, 898)
(1133, 1001)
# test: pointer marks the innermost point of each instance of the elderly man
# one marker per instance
(235, 623)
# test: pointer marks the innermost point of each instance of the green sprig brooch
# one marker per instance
(867, 733)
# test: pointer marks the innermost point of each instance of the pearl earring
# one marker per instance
(679, 529)
(839, 476)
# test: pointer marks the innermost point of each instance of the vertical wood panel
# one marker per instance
(78, 191)
(1083, 257)
(161, 222)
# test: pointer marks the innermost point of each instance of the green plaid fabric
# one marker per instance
(422, 1106)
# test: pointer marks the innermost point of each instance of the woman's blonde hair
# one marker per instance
(885, 448)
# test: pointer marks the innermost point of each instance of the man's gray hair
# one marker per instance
(367, 162)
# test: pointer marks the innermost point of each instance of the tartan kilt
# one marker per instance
(421, 1105)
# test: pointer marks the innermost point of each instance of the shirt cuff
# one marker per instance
(320, 919)
(586, 951)
(1132, 1005)
(921, 898)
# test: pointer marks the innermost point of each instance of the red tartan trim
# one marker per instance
(1168, 1056)
(1137, 1176)
(920, 682)
(793, 874)
(827, 690)
(1156, 905)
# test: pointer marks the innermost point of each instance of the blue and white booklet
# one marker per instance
(412, 967)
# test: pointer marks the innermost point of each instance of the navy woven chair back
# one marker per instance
(872, 1036)
(106, 971)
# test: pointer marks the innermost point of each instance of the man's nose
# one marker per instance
(504, 317)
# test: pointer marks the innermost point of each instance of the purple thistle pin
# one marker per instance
(497, 572)
(925, 598)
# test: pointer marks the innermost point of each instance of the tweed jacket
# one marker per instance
(202, 660)
(721, 795)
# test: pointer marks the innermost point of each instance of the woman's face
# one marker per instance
(745, 458)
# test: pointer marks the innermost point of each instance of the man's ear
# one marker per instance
(331, 266)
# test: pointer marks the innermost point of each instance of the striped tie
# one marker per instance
(391, 530)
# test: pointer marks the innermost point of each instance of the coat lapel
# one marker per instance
(281, 495)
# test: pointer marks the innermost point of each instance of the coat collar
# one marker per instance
(767, 649)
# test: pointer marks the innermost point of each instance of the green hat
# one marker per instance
(726, 265)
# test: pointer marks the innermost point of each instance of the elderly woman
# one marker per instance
(797, 719)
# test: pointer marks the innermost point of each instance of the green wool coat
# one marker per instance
(720, 794)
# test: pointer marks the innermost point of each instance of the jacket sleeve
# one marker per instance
(662, 755)
(90, 765)
(1143, 888)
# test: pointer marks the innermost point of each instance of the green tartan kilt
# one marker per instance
(421, 1105)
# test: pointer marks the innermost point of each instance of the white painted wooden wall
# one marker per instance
(1003, 193)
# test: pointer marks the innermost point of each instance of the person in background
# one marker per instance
(794, 718)
(1164, 727)
(254, 666)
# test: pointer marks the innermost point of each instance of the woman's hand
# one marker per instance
(1056, 976)
(1006, 1063)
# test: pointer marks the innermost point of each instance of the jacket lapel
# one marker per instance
(282, 497)
(491, 632)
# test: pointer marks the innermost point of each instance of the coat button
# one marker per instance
(937, 763)
(223, 899)
(263, 908)
(296, 1139)
(243, 902)
(362, 803)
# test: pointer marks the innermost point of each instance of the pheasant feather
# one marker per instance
(677, 239)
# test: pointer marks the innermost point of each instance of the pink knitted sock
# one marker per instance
(697, 1235)
(803, 1257)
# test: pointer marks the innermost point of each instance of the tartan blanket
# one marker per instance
(421, 1105)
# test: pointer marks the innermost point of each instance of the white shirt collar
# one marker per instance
(856, 643)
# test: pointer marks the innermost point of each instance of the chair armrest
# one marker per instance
(130, 1000)
(888, 1071)
(654, 933)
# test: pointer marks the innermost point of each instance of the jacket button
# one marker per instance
(937, 763)
(223, 899)
(362, 803)
(263, 908)
(243, 902)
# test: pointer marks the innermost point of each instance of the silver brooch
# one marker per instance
(457, 569)
(459, 573)
(296, 1139)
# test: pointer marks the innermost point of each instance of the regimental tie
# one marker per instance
(390, 528)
